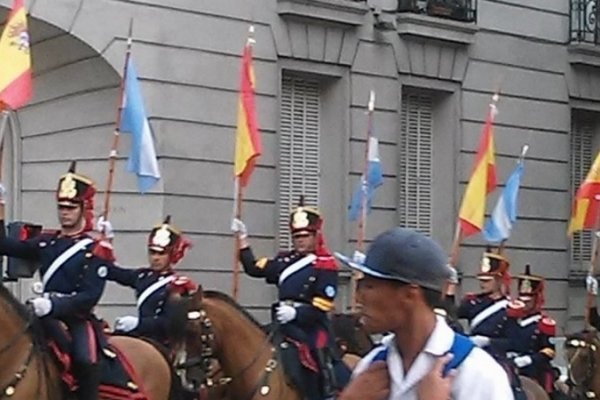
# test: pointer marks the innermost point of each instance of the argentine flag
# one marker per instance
(505, 213)
(142, 156)
(373, 181)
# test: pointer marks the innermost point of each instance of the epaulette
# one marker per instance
(103, 249)
(183, 286)
(547, 326)
(50, 232)
(515, 309)
(470, 296)
(327, 263)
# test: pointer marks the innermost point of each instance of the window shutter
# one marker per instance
(582, 133)
(415, 175)
(299, 148)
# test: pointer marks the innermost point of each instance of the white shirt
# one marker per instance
(479, 376)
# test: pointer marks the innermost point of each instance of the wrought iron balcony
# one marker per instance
(458, 10)
(584, 21)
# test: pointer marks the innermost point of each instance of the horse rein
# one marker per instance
(581, 345)
(207, 355)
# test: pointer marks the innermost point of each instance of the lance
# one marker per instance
(362, 219)
(591, 300)
(112, 158)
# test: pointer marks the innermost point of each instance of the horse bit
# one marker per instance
(581, 345)
(207, 357)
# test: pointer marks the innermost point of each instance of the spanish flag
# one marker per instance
(15, 60)
(247, 143)
(586, 206)
(483, 181)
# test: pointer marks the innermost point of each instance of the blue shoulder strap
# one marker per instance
(461, 347)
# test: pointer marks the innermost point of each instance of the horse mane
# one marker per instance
(225, 298)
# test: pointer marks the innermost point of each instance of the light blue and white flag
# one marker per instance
(498, 227)
(142, 156)
(373, 181)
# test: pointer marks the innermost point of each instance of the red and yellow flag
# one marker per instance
(586, 206)
(482, 182)
(247, 143)
(15, 60)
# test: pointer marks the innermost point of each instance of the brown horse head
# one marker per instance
(220, 332)
(350, 336)
(583, 357)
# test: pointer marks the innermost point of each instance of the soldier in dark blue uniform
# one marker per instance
(73, 263)
(486, 311)
(529, 332)
(154, 285)
(307, 280)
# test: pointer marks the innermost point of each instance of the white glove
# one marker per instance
(453, 279)
(286, 313)
(126, 323)
(104, 226)
(591, 284)
(480, 341)
(42, 306)
(522, 361)
(2, 194)
(359, 257)
(238, 226)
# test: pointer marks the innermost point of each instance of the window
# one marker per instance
(582, 135)
(416, 169)
(299, 148)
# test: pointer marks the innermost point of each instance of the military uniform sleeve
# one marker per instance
(322, 297)
(261, 268)
(123, 276)
(463, 311)
(546, 352)
(26, 249)
(85, 299)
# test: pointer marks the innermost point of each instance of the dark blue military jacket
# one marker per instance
(487, 317)
(309, 288)
(152, 291)
(71, 272)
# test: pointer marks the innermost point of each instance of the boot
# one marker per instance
(327, 373)
(88, 379)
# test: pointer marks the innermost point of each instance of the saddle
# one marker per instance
(302, 367)
(118, 377)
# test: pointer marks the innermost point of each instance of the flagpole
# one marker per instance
(237, 208)
(237, 213)
(458, 233)
(112, 158)
(362, 221)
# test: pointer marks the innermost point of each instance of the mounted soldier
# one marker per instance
(155, 285)
(307, 281)
(529, 332)
(73, 263)
(486, 311)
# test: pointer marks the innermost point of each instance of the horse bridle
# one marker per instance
(9, 389)
(581, 345)
(208, 355)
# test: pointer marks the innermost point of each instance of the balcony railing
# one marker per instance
(458, 10)
(584, 21)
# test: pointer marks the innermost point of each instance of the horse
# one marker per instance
(583, 357)
(29, 371)
(351, 338)
(533, 390)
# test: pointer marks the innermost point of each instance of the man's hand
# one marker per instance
(238, 226)
(372, 384)
(2, 194)
(453, 278)
(434, 386)
(286, 313)
(42, 306)
(480, 341)
(105, 227)
(126, 323)
(591, 285)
